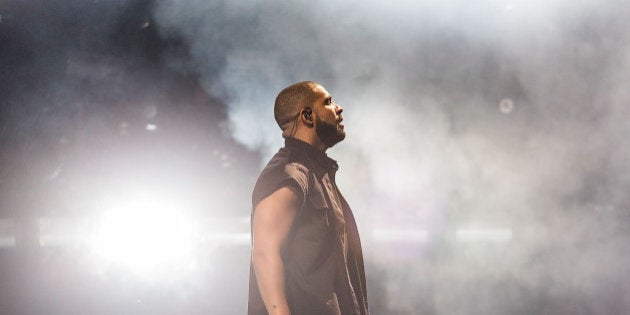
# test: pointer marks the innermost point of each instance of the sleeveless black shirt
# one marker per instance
(323, 259)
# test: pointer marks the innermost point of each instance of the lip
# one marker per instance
(339, 122)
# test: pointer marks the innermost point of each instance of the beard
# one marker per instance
(328, 133)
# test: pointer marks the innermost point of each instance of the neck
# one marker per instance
(312, 139)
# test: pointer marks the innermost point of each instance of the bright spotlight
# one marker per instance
(147, 239)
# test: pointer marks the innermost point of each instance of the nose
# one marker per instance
(339, 109)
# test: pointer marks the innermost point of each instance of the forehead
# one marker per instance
(321, 92)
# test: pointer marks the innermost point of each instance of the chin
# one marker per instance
(341, 138)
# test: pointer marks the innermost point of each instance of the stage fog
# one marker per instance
(486, 160)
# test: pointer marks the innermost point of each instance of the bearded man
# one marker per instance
(306, 251)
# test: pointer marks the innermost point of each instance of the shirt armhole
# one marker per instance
(292, 184)
(293, 175)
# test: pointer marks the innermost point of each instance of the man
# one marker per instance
(306, 252)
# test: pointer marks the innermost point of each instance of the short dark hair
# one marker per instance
(290, 101)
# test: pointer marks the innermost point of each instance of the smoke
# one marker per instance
(458, 114)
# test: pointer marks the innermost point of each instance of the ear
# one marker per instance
(306, 116)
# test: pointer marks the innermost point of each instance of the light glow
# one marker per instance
(57, 232)
(147, 239)
(225, 231)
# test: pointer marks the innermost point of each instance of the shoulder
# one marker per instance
(284, 169)
(297, 171)
(284, 164)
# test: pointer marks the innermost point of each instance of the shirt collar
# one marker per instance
(320, 157)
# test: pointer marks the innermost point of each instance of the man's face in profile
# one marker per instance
(328, 124)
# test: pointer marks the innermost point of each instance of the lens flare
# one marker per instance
(146, 239)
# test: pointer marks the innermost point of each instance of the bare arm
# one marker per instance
(273, 218)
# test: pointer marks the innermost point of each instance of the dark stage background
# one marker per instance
(487, 157)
